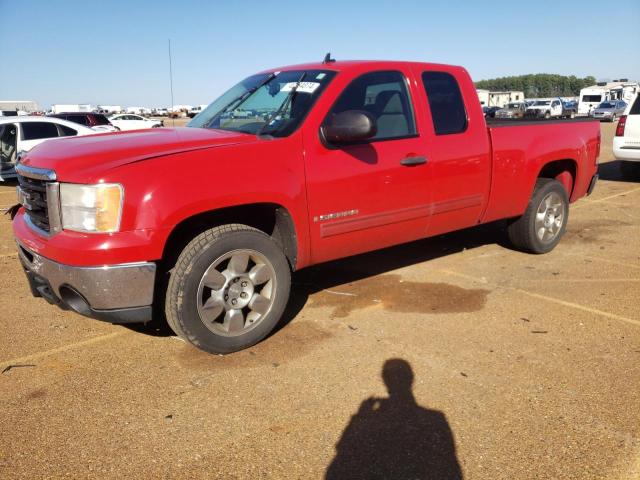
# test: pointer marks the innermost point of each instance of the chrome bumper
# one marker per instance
(118, 293)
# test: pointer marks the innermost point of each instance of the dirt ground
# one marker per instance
(453, 356)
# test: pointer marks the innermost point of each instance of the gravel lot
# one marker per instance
(523, 367)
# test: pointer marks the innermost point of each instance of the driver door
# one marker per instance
(373, 194)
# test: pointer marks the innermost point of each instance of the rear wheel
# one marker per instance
(544, 221)
(228, 289)
(547, 115)
(613, 118)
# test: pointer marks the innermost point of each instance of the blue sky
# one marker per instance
(115, 51)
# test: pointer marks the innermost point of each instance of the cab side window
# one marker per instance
(38, 130)
(384, 96)
(66, 131)
(445, 102)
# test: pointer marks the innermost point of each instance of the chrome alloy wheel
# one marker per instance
(236, 292)
(549, 217)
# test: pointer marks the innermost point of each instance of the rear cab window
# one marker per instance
(100, 119)
(448, 112)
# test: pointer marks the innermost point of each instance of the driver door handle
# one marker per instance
(413, 161)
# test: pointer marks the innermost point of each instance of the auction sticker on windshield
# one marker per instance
(304, 87)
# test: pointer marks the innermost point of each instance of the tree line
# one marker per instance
(539, 84)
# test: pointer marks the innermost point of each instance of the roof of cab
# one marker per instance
(347, 65)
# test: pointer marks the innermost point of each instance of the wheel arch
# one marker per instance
(271, 218)
(563, 170)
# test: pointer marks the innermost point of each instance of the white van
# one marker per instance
(590, 98)
(626, 143)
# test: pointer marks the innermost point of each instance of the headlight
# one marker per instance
(91, 208)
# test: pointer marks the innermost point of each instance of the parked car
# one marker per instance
(195, 110)
(626, 143)
(20, 134)
(128, 121)
(552, 108)
(92, 120)
(491, 111)
(212, 218)
(512, 110)
(609, 110)
(160, 112)
(8, 113)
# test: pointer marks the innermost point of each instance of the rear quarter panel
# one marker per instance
(520, 152)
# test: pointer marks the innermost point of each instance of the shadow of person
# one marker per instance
(394, 438)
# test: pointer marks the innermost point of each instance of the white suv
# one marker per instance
(626, 143)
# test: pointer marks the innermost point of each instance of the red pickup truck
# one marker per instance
(289, 168)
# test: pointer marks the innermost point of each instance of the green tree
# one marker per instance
(539, 84)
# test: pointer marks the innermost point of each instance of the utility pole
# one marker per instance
(173, 120)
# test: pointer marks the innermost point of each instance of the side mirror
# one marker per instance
(349, 126)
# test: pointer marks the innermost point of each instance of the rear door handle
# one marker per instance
(413, 161)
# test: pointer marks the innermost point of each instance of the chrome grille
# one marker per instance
(33, 197)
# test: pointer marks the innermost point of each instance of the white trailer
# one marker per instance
(592, 96)
(108, 109)
(78, 107)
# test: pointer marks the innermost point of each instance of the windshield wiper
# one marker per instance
(239, 100)
(283, 106)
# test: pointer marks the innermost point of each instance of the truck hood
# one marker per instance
(79, 159)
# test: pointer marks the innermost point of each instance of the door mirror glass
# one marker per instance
(349, 126)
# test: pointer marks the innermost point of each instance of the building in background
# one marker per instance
(499, 99)
(73, 107)
(19, 106)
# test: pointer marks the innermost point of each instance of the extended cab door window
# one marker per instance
(384, 95)
(445, 102)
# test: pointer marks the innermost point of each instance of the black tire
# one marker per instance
(547, 115)
(181, 304)
(522, 231)
(613, 118)
(630, 170)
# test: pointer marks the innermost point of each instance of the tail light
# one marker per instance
(621, 124)
(598, 146)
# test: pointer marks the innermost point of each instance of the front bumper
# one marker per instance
(114, 293)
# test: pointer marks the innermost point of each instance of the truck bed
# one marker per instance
(522, 147)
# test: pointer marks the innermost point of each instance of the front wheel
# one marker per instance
(228, 290)
(613, 118)
(544, 221)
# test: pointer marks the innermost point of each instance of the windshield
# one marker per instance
(542, 103)
(514, 105)
(607, 105)
(259, 104)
